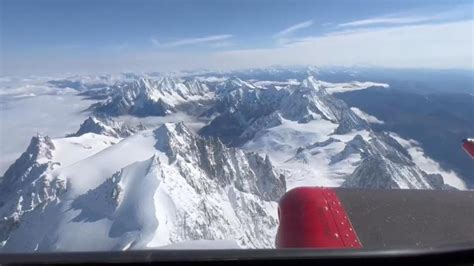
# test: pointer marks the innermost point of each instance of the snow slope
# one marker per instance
(283, 144)
(155, 188)
(429, 165)
(369, 118)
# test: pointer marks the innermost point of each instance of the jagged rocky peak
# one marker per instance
(92, 125)
(371, 173)
(145, 88)
(206, 191)
(385, 164)
(184, 88)
(270, 185)
(380, 173)
(241, 110)
(272, 120)
(34, 160)
(248, 171)
(355, 146)
(196, 87)
(150, 97)
(171, 86)
(312, 83)
(348, 120)
(25, 185)
(309, 101)
(41, 146)
(248, 98)
(377, 143)
(172, 136)
(191, 188)
(234, 83)
(235, 111)
(385, 138)
(38, 155)
(168, 81)
(383, 144)
(135, 99)
(105, 125)
(193, 205)
(133, 89)
(234, 93)
(143, 83)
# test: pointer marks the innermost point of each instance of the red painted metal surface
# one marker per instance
(312, 217)
(468, 145)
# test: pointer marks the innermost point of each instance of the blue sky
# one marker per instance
(46, 36)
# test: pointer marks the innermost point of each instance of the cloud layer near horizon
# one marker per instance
(443, 45)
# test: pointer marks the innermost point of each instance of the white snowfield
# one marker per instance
(332, 88)
(166, 187)
(281, 143)
(429, 165)
(369, 118)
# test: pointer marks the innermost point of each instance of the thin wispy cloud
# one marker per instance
(190, 41)
(422, 45)
(387, 20)
(294, 28)
(423, 16)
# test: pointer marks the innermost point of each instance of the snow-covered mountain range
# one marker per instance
(120, 185)
(151, 97)
(154, 188)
